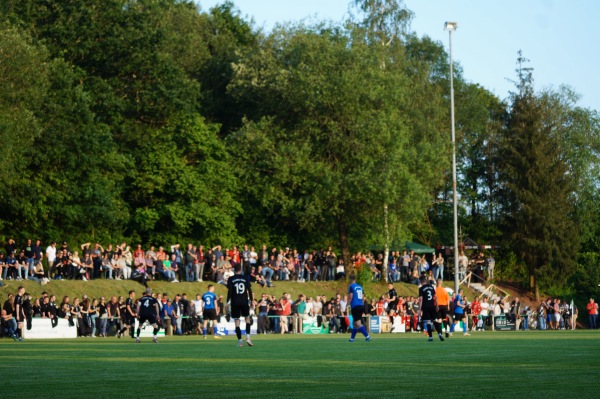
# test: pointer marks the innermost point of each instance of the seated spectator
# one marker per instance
(176, 268)
(88, 265)
(256, 276)
(8, 324)
(77, 269)
(117, 266)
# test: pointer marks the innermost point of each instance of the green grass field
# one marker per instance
(486, 365)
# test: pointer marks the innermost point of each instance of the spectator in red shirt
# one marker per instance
(592, 308)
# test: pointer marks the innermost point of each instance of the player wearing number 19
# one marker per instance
(239, 297)
(355, 299)
(429, 308)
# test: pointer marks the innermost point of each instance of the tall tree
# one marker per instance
(537, 188)
(332, 141)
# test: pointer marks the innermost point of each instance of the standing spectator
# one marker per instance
(30, 258)
(176, 315)
(491, 264)
(438, 267)
(38, 252)
(463, 263)
(3, 267)
(542, 316)
(102, 317)
(485, 312)
(199, 263)
(263, 311)
(515, 313)
(113, 314)
(476, 314)
(404, 269)
(151, 260)
(592, 308)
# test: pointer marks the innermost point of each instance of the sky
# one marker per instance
(559, 37)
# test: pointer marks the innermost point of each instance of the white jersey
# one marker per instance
(198, 306)
(51, 253)
(485, 308)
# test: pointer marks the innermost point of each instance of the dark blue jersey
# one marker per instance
(148, 306)
(209, 299)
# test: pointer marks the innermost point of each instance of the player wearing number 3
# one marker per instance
(239, 297)
(429, 308)
(355, 299)
(211, 309)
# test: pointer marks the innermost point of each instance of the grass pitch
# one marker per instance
(486, 365)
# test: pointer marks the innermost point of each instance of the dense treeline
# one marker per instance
(156, 121)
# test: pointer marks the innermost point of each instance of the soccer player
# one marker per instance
(355, 299)
(129, 316)
(459, 313)
(148, 310)
(19, 312)
(443, 300)
(239, 297)
(210, 311)
(429, 308)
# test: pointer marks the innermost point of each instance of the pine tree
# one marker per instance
(537, 189)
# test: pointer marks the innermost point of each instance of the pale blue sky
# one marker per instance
(559, 37)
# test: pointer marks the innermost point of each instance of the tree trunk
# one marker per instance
(344, 243)
(533, 285)
(386, 251)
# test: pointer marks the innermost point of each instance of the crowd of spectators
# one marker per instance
(104, 316)
(192, 263)
(196, 263)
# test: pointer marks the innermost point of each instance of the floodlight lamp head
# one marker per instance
(450, 26)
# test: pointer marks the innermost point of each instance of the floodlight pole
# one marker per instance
(451, 27)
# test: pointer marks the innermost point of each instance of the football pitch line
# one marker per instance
(490, 365)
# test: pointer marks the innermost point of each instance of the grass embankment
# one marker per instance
(107, 288)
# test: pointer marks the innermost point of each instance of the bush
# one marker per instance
(364, 275)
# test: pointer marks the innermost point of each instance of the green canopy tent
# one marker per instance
(418, 248)
(408, 245)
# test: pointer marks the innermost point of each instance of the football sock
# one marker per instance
(204, 331)
(138, 332)
(155, 331)
(429, 332)
(215, 330)
(354, 330)
(452, 327)
(438, 327)
(238, 332)
(122, 330)
(363, 330)
(464, 327)
(248, 326)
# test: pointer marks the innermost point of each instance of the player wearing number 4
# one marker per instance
(239, 297)
(148, 310)
(429, 308)
(355, 299)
